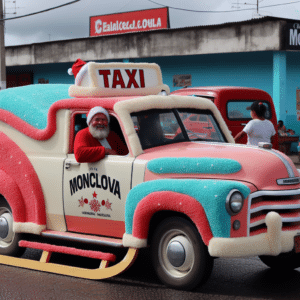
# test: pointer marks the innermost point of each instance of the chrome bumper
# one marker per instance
(273, 242)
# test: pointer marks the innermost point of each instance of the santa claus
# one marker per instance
(96, 141)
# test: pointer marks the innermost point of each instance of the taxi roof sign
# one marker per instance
(118, 79)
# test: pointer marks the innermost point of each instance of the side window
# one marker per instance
(193, 118)
(78, 122)
(237, 110)
(116, 128)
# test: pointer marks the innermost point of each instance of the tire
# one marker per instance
(179, 256)
(282, 262)
(8, 238)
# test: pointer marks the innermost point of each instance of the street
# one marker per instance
(231, 279)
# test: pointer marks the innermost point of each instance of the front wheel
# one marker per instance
(8, 238)
(179, 256)
(282, 262)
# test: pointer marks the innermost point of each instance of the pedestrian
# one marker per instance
(259, 129)
(280, 127)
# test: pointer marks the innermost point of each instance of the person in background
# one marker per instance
(94, 142)
(280, 127)
(259, 129)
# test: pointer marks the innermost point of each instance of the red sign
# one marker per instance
(142, 20)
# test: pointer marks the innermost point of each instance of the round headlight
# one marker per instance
(234, 202)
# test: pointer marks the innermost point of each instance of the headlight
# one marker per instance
(234, 202)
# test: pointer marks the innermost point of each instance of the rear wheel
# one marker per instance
(179, 256)
(8, 238)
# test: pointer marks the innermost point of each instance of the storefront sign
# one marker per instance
(182, 80)
(292, 36)
(143, 20)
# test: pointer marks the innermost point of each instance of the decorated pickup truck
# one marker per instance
(190, 197)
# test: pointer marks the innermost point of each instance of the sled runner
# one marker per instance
(104, 270)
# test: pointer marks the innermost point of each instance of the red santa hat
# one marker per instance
(96, 110)
(76, 67)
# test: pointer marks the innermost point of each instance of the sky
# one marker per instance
(72, 21)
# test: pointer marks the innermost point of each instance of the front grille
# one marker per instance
(285, 203)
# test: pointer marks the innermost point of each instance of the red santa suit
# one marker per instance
(89, 149)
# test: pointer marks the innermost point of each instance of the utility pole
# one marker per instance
(2, 50)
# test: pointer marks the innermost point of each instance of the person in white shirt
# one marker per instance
(259, 129)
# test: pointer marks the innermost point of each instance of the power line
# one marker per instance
(39, 12)
(280, 4)
(220, 11)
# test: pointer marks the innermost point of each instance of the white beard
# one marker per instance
(99, 133)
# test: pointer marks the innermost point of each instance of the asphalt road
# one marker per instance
(231, 279)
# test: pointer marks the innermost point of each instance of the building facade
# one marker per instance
(262, 53)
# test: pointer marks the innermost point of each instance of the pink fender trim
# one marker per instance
(171, 201)
(11, 192)
(20, 184)
(47, 133)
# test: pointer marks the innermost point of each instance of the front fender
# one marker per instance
(169, 201)
(210, 194)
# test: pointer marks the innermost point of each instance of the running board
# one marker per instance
(83, 238)
(104, 271)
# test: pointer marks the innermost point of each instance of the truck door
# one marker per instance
(94, 194)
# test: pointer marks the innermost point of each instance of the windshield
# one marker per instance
(159, 127)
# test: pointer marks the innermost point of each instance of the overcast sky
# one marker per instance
(72, 21)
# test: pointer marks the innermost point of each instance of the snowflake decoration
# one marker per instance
(95, 205)
(81, 202)
(108, 204)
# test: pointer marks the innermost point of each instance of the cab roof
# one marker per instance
(215, 88)
(212, 92)
(31, 103)
(103, 84)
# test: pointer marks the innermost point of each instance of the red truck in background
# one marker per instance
(232, 103)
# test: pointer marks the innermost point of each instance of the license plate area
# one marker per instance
(297, 243)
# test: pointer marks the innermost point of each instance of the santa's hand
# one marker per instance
(110, 152)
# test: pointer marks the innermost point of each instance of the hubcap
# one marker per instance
(3, 227)
(176, 253)
(6, 228)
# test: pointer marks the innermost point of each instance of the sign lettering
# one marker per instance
(94, 181)
(292, 36)
(143, 20)
(118, 79)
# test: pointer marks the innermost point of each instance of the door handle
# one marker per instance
(71, 162)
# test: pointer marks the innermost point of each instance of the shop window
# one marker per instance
(14, 80)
